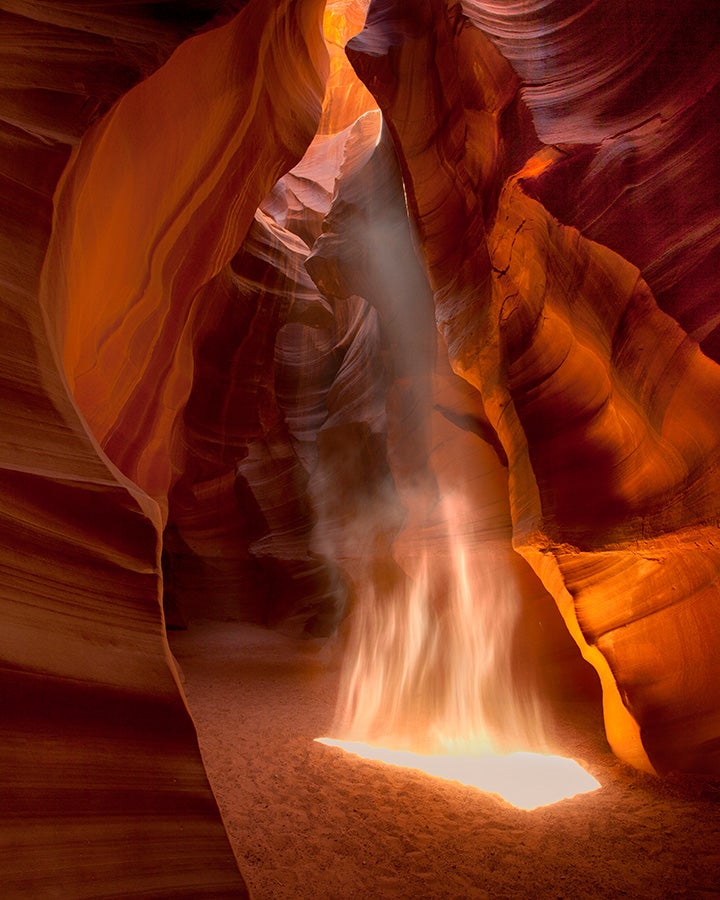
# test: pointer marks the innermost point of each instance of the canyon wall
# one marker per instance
(602, 402)
(122, 133)
(256, 330)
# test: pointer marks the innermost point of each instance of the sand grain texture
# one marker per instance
(308, 822)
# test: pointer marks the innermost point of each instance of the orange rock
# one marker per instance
(173, 369)
(346, 97)
(602, 403)
(102, 778)
(155, 202)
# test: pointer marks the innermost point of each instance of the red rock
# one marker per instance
(169, 368)
(102, 779)
(602, 403)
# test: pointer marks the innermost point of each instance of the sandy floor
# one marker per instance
(307, 821)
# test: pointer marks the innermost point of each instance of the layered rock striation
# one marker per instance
(626, 97)
(265, 328)
(103, 789)
(601, 401)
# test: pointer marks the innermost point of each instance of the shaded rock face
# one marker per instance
(102, 789)
(255, 322)
(636, 162)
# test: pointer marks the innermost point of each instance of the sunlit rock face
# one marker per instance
(602, 402)
(155, 231)
(259, 323)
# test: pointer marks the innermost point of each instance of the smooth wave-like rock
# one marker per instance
(593, 70)
(602, 403)
(346, 97)
(153, 205)
(230, 413)
(118, 772)
(627, 506)
(268, 348)
(627, 96)
(221, 379)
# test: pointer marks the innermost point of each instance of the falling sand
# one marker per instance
(307, 821)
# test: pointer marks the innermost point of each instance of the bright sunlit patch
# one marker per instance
(525, 780)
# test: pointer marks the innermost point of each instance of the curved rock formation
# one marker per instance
(543, 191)
(626, 94)
(103, 788)
(269, 348)
(346, 97)
(602, 403)
(155, 202)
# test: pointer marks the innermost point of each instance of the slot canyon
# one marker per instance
(360, 379)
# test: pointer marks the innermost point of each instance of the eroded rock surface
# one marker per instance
(242, 317)
(103, 789)
(601, 401)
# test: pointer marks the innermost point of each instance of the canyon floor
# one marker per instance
(307, 821)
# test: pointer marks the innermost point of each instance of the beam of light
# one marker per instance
(525, 780)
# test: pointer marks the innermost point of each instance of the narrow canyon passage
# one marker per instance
(373, 348)
(306, 821)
